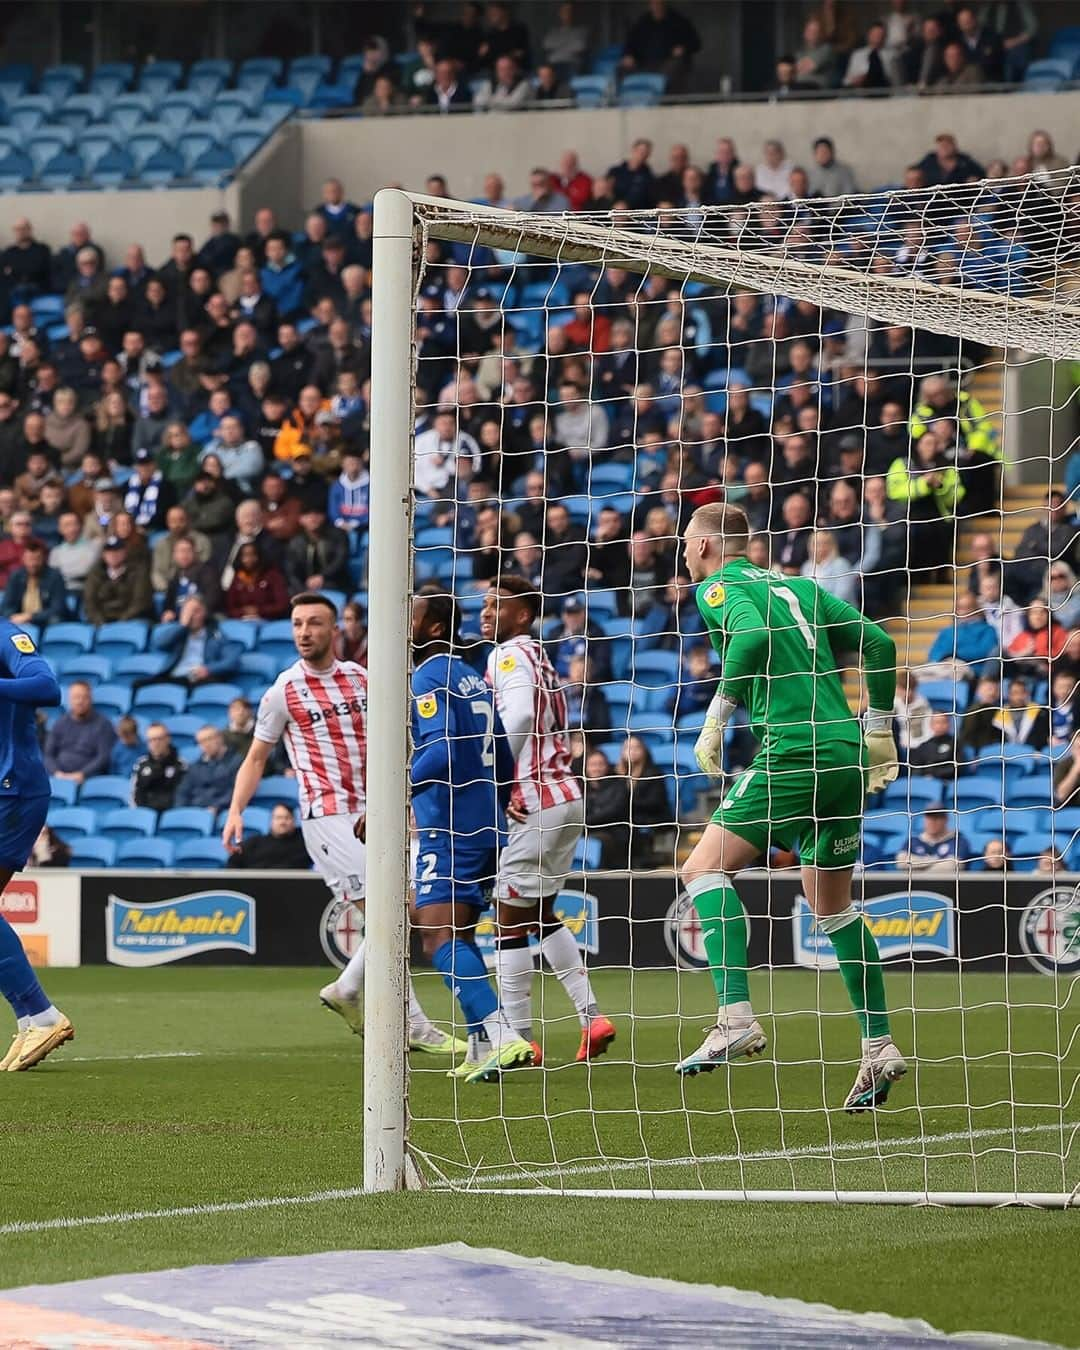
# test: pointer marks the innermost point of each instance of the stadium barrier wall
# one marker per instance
(1025, 924)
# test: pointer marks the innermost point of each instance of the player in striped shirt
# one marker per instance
(319, 705)
(545, 818)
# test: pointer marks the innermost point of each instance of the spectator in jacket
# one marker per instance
(979, 723)
(697, 682)
(209, 780)
(26, 264)
(282, 277)
(79, 743)
(75, 555)
(968, 639)
(351, 639)
(153, 419)
(1053, 537)
(606, 809)
(189, 576)
(66, 429)
(258, 589)
(118, 586)
(198, 651)
(1021, 721)
(317, 558)
(663, 40)
(938, 848)
(578, 636)
(35, 592)
(282, 849)
(924, 491)
(587, 708)
(829, 177)
(128, 748)
(209, 507)
(1040, 641)
(147, 496)
(348, 503)
(937, 755)
(159, 772)
(241, 458)
(647, 802)
(177, 526)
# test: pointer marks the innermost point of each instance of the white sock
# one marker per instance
(419, 1022)
(871, 1045)
(736, 1012)
(499, 1030)
(24, 1023)
(48, 1018)
(479, 1048)
(514, 973)
(351, 980)
(564, 957)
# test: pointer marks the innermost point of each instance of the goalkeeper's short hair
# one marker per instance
(726, 521)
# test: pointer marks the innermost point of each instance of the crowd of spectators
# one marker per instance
(192, 446)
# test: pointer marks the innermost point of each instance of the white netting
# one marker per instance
(583, 382)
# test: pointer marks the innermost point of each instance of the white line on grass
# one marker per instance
(869, 1147)
(21, 1227)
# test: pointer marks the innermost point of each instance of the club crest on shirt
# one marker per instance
(427, 705)
(508, 662)
(714, 596)
(22, 643)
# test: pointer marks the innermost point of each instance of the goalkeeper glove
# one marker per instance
(710, 743)
(882, 760)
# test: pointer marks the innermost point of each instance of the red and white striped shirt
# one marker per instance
(323, 717)
(532, 707)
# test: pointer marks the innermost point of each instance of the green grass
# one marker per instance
(268, 1104)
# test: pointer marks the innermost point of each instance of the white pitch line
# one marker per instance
(150, 1054)
(820, 1151)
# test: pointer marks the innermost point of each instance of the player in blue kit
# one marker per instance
(460, 756)
(26, 684)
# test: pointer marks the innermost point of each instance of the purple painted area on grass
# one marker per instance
(436, 1300)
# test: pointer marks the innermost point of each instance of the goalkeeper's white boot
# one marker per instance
(349, 1009)
(882, 1065)
(731, 1038)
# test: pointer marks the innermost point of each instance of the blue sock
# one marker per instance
(467, 978)
(18, 983)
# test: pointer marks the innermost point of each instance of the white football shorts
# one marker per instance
(339, 857)
(539, 852)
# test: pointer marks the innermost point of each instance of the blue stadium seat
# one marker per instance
(641, 90)
(206, 87)
(114, 700)
(93, 143)
(72, 822)
(230, 109)
(178, 111)
(163, 167)
(199, 854)
(218, 66)
(124, 638)
(90, 667)
(276, 788)
(63, 791)
(271, 66)
(128, 822)
(974, 792)
(43, 145)
(655, 669)
(244, 631)
(949, 696)
(63, 170)
(912, 794)
(243, 138)
(187, 725)
(591, 91)
(91, 854)
(213, 166)
(257, 670)
(16, 77)
(29, 112)
(16, 168)
(112, 76)
(131, 111)
(106, 790)
(331, 94)
(587, 855)
(1028, 819)
(185, 822)
(115, 166)
(160, 78)
(211, 696)
(195, 140)
(79, 112)
(136, 665)
(146, 854)
(159, 701)
(64, 641)
(1048, 75)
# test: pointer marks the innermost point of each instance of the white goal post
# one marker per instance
(1035, 308)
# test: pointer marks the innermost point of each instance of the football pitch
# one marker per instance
(202, 1087)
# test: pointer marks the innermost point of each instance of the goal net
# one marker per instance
(884, 383)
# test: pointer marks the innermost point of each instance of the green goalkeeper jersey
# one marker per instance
(777, 639)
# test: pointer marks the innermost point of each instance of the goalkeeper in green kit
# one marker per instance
(777, 639)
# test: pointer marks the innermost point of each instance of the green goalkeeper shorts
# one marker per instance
(815, 810)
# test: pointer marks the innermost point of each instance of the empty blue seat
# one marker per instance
(90, 853)
(128, 822)
(641, 90)
(145, 141)
(206, 87)
(63, 791)
(974, 792)
(199, 854)
(178, 110)
(276, 788)
(244, 631)
(213, 165)
(79, 112)
(136, 665)
(945, 695)
(213, 696)
(270, 66)
(256, 820)
(159, 701)
(212, 65)
(185, 822)
(72, 822)
(187, 725)
(145, 854)
(591, 91)
(162, 168)
(123, 638)
(124, 71)
(260, 665)
(30, 112)
(16, 168)
(115, 166)
(114, 700)
(230, 108)
(43, 145)
(62, 170)
(160, 78)
(917, 792)
(131, 111)
(63, 641)
(587, 855)
(16, 77)
(655, 669)
(88, 666)
(195, 140)
(106, 789)
(330, 94)
(94, 142)
(243, 140)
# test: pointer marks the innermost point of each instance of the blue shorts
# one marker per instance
(21, 819)
(455, 869)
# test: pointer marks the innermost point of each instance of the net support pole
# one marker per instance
(385, 1054)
